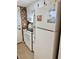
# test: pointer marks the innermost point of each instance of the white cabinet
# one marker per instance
(28, 39)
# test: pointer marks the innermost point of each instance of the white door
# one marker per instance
(19, 27)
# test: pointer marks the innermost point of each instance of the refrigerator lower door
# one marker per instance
(44, 44)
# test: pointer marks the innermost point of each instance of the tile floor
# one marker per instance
(23, 52)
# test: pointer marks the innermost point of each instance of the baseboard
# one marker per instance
(20, 42)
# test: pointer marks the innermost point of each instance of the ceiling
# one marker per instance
(25, 3)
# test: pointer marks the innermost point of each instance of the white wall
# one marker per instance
(59, 55)
(30, 8)
(19, 32)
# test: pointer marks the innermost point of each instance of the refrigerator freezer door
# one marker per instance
(44, 12)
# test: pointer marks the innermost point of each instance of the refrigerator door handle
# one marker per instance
(45, 29)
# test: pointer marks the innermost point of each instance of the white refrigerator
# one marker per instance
(45, 42)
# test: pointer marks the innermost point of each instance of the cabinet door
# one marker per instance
(27, 39)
